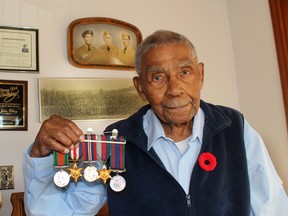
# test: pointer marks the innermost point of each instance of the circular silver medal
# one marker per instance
(117, 183)
(61, 178)
(90, 174)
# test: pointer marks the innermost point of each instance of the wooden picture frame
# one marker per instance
(88, 99)
(13, 105)
(19, 49)
(99, 42)
(279, 15)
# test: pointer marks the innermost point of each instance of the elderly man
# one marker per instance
(183, 156)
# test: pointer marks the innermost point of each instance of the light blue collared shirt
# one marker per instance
(268, 196)
(180, 166)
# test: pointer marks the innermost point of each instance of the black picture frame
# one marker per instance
(19, 49)
(13, 105)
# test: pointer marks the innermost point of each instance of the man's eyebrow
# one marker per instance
(185, 63)
(154, 69)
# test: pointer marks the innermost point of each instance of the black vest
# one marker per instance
(152, 191)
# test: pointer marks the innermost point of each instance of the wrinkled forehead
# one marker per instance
(165, 47)
(169, 51)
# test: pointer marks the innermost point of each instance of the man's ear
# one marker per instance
(138, 86)
(201, 69)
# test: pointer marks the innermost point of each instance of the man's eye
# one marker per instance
(156, 78)
(185, 72)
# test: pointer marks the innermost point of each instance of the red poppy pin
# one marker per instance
(207, 161)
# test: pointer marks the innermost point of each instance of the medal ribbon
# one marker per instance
(93, 151)
(76, 153)
(60, 159)
(89, 149)
(117, 160)
(105, 148)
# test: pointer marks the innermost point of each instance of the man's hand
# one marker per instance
(56, 133)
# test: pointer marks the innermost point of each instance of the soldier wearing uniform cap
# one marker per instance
(127, 54)
(87, 52)
(108, 52)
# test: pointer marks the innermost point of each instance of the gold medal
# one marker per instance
(104, 174)
(75, 172)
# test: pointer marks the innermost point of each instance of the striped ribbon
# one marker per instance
(60, 159)
(92, 151)
(76, 153)
(117, 160)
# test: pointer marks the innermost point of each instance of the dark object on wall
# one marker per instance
(17, 200)
(106, 43)
(279, 15)
(13, 105)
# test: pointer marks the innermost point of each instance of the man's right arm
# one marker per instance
(42, 196)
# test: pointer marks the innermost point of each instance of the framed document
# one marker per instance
(13, 105)
(18, 49)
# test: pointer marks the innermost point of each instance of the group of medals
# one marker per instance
(81, 162)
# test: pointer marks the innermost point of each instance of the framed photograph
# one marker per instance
(106, 43)
(88, 99)
(18, 49)
(13, 105)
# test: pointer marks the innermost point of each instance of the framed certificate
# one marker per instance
(18, 49)
(13, 105)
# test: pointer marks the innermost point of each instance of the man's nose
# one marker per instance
(174, 86)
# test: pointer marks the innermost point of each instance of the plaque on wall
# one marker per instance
(13, 105)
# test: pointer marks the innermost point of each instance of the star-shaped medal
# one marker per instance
(75, 172)
(104, 174)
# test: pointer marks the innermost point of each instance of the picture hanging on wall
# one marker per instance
(106, 43)
(88, 99)
(18, 49)
(13, 105)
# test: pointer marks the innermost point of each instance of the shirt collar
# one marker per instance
(153, 127)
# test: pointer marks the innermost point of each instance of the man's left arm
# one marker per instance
(268, 196)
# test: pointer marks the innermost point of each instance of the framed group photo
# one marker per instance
(106, 43)
(86, 99)
(19, 49)
(13, 105)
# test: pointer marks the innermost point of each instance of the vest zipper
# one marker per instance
(188, 200)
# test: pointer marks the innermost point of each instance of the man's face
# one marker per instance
(107, 39)
(88, 39)
(126, 41)
(171, 80)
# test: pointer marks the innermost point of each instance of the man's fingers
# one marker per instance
(56, 134)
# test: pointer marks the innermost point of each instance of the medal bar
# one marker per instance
(94, 148)
(106, 141)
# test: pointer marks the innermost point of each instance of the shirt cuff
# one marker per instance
(37, 167)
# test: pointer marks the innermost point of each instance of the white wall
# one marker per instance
(238, 67)
(258, 76)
